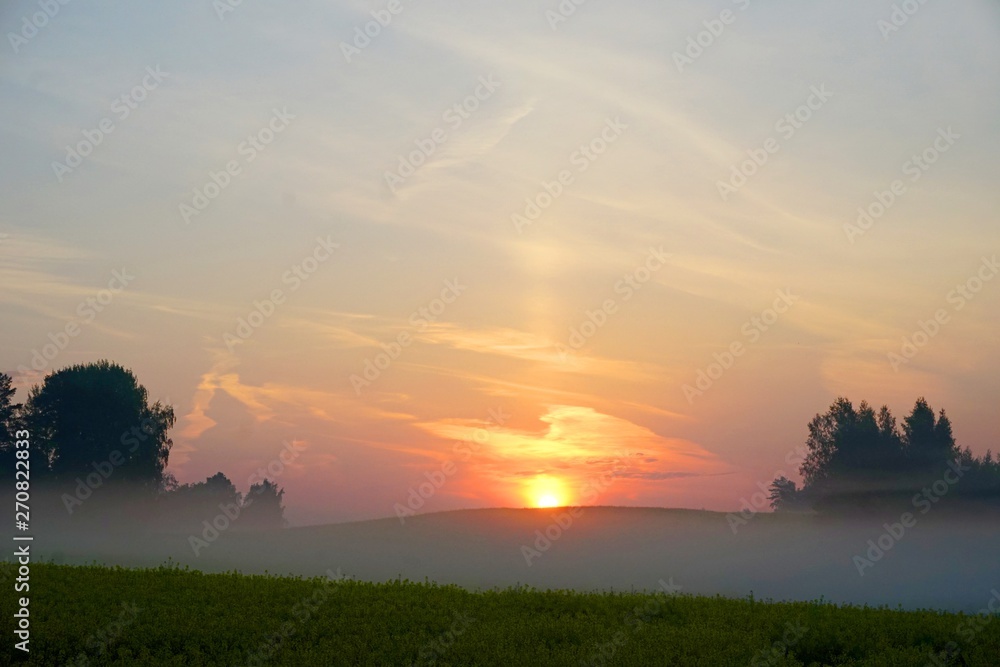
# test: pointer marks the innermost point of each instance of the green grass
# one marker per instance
(85, 615)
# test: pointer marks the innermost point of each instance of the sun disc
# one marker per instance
(547, 500)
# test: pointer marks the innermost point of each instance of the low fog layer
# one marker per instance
(938, 561)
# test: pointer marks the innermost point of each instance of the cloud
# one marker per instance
(468, 144)
(576, 446)
(663, 475)
(272, 401)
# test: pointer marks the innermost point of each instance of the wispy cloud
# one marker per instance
(576, 445)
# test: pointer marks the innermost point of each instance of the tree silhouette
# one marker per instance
(262, 507)
(827, 433)
(928, 442)
(97, 415)
(185, 506)
(889, 445)
(852, 452)
(9, 424)
(216, 489)
(92, 427)
(783, 494)
(858, 458)
(8, 410)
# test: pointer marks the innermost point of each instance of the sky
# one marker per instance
(419, 256)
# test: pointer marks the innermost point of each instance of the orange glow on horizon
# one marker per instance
(579, 456)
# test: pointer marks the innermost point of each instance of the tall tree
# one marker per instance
(783, 494)
(262, 507)
(890, 445)
(9, 424)
(829, 443)
(97, 415)
(8, 410)
(185, 506)
(217, 489)
(928, 441)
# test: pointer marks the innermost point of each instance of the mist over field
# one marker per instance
(944, 562)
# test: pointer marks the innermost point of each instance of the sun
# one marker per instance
(547, 500)
(546, 491)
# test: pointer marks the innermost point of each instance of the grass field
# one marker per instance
(170, 616)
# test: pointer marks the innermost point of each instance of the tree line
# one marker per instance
(99, 449)
(860, 458)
